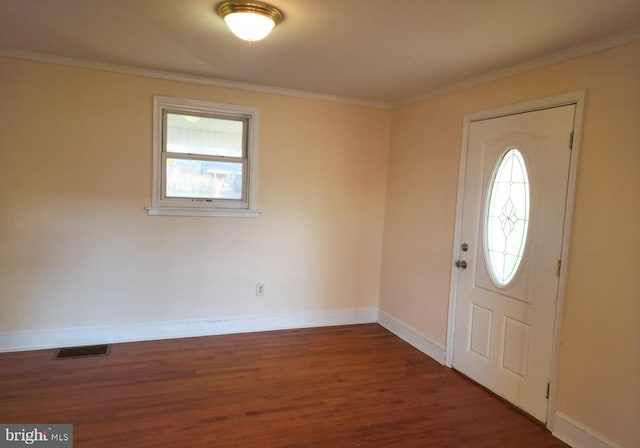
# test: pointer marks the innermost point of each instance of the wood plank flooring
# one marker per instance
(349, 386)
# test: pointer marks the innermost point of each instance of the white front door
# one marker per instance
(513, 210)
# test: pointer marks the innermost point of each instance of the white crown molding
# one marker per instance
(181, 77)
(147, 331)
(553, 58)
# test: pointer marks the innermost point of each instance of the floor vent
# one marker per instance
(78, 352)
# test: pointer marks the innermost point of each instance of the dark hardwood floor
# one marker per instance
(349, 386)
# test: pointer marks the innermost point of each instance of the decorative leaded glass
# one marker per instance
(507, 218)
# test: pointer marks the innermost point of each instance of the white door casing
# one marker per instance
(504, 334)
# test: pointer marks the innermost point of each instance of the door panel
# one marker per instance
(514, 197)
(481, 324)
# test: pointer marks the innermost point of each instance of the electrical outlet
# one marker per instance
(259, 289)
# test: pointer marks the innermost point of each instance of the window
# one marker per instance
(204, 158)
(507, 218)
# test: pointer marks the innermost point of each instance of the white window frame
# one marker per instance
(245, 207)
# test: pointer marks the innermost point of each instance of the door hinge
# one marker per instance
(558, 268)
(571, 141)
(548, 389)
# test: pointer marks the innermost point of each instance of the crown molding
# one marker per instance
(185, 78)
(586, 49)
(553, 58)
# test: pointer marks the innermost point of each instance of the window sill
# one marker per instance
(184, 211)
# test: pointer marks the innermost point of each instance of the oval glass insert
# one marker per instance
(506, 218)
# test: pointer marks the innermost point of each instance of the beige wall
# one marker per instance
(78, 249)
(599, 372)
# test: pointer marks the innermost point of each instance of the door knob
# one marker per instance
(461, 264)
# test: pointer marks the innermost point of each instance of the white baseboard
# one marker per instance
(412, 336)
(565, 428)
(146, 331)
(578, 435)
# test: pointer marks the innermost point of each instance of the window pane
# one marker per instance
(193, 134)
(204, 179)
(507, 218)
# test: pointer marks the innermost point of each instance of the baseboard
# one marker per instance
(565, 428)
(412, 336)
(578, 435)
(145, 331)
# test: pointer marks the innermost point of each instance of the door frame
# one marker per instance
(578, 98)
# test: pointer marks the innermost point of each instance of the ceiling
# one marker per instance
(378, 51)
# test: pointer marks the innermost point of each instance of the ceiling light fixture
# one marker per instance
(249, 20)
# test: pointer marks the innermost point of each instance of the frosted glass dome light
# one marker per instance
(249, 20)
